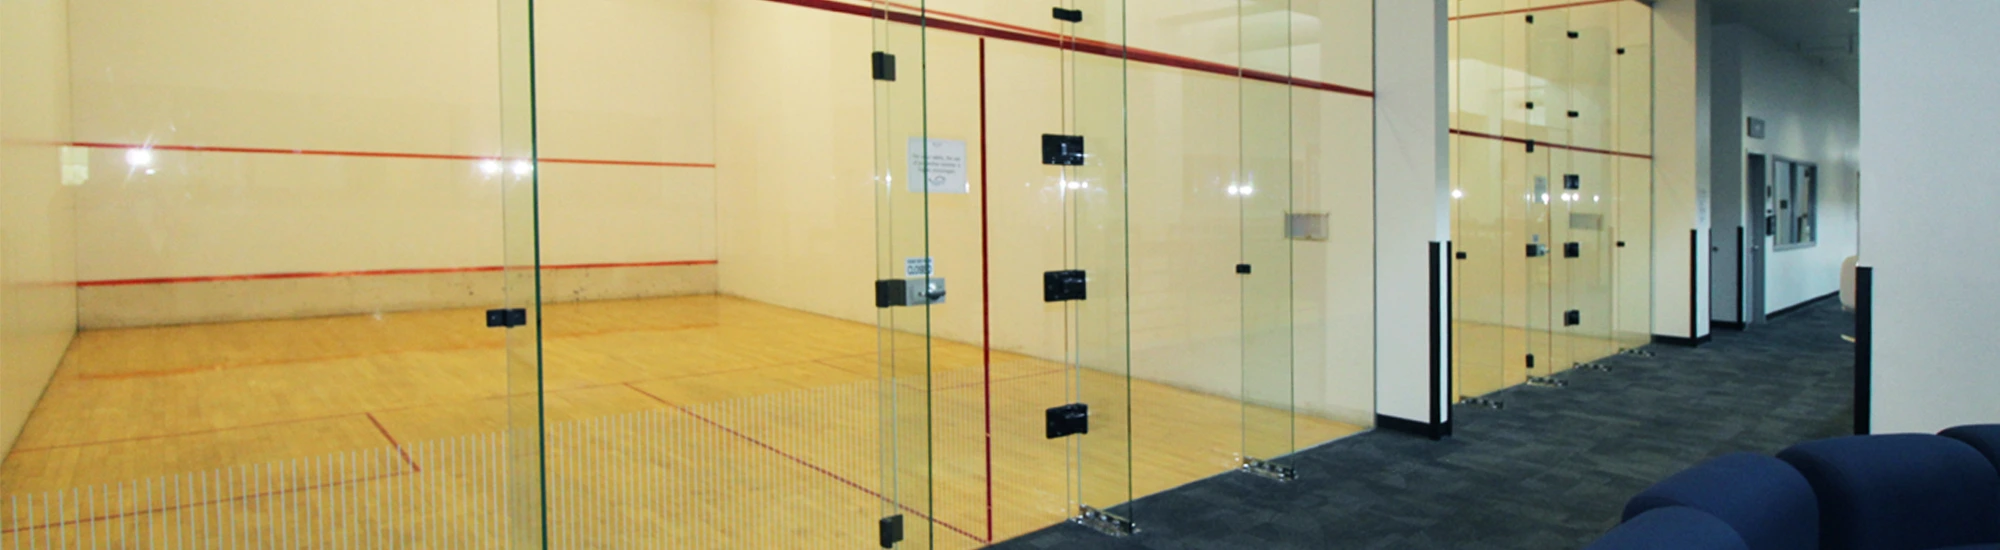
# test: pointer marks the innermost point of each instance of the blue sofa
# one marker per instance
(1879, 492)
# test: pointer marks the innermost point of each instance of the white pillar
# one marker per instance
(1412, 190)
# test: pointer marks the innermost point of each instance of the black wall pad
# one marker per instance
(1864, 349)
(1794, 308)
(1436, 400)
(1694, 290)
(1413, 427)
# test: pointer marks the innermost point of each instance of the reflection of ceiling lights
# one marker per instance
(522, 168)
(489, 167)
(139, 158)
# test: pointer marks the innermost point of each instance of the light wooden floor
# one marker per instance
(702, 422)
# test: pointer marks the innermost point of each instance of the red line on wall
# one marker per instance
(800, 461)
(1041, 38)
(368, 154)
(368, 273)
(1532, 10)
(1511, 139)
(392, 442)
(985, 294)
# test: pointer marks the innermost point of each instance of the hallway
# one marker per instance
(1549, 471)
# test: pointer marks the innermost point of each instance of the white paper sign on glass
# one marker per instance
(917, 267)
(938, 166)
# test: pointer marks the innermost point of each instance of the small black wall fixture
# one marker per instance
(1864, 349)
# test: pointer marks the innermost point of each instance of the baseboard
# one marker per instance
(1682, 342)
(1413, 427)
(1730, 325)
(1801, 305)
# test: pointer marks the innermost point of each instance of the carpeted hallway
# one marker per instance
(1549, 471)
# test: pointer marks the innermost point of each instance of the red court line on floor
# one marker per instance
(1532, 10)
(410, 407)
(1510, 139)
(133, 513)
(368, 154)
(1051, 40)
(802, 462)
(370, 273)
(392, 442)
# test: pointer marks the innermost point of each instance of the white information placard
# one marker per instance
(938, 166)
(917, 267)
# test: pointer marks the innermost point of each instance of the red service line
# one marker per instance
(1536, 9)
(1511, 139)
(372, 272)
(393, 443)
(371, 154)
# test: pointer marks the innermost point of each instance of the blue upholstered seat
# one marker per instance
(1983, 437)
(1671, 528)
(1763, 499)
(1902, 491)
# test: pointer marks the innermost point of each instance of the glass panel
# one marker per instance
(1479, 236)
(1264, 196)
(1633, 89)
(254, 245)
(903, 254)
(1101, 373)
(519, 171)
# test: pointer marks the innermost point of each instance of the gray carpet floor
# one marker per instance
(1551, 470)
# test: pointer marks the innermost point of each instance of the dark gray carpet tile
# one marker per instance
(1552, 470)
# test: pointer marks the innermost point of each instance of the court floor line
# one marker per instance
(410, 407)
(803, 462)
(392, 442)
(211, 502)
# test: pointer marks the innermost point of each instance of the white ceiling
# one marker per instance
(1825, 31)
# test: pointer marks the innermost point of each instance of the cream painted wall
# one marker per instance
(37, 234)
(620, 80)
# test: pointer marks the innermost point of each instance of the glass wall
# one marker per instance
(252, 250)
(684, 273)
(1551, 186)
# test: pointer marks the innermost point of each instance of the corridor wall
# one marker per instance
(1551, 187)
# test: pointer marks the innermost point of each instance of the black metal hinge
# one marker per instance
(1574, 114)
(892, 530)
(1460, 255)
(885, 66)
(1062, 150)
(1063, 286)
(1531, 105)
(506, 318)
(1572, 318)
(1066, 420)
(1572, 250)
(1531, 360)
(1573, 34)
(909, 292)
(1621, 51)
(1536, 250)
(1243, 268)
(1531, 19)
(1073, 16)
(1531, 146)
(1621, 244)
(1572, 181)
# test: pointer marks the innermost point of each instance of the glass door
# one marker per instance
(1095, 196)
(910, 283)
(1264, 199)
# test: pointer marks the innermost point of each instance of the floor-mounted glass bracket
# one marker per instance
(1482, 402)
(1269, 470)
(1599, 367)
(1105, 522)
(1638, 352)
(1547, 382)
